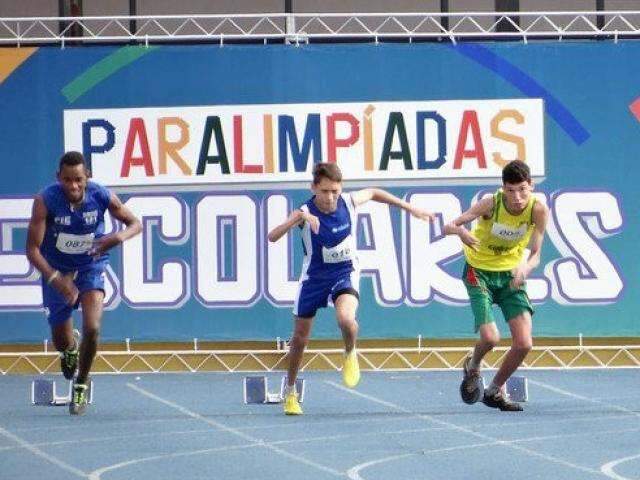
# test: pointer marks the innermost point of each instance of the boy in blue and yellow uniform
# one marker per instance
(330, 269)
(67, 244)
(495, 272)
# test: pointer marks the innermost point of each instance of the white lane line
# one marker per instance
(96, 474)
(583, 398)
(607, 468)
(142, 423)
(109, 438)
(369, 421)
(74, 427)
(270, 426)
(453, 426)
(39, 453)
(320, 423)
(234, 431)
(329, 437)
(353, 473)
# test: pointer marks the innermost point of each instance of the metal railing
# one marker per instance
(372, 359)
(299, 28)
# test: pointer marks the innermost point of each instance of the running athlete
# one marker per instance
(67, 244)
(495, 272)
(330, 268)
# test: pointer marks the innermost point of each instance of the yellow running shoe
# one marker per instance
(291, 405)
(351, 369)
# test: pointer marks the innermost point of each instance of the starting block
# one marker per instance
(256, 390)
(43, 392)
(517, 389)
(299, 388)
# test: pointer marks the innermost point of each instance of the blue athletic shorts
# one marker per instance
(314, 294)
(57, 310)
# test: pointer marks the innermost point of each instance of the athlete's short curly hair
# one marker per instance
(71, 159)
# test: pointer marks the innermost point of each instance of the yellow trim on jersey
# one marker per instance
(503, 237)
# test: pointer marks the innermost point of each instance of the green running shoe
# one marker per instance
(69, 358)
(79, 399)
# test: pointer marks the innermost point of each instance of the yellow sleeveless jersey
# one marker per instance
(503, 237)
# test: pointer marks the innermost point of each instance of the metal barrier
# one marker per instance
(296, 28)
(372, 359)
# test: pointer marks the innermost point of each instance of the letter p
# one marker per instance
(88, 147)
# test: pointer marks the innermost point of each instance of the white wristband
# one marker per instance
(53, 276)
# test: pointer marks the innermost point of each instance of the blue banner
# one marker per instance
(211, 147)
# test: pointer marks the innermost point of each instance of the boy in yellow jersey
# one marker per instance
(496, 271)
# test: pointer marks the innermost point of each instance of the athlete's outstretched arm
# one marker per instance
(296, 218)
(35, 236)
(382, 196)
(483, 208)
(120, 212)
(540, 216)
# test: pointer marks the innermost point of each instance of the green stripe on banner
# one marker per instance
(103, 70)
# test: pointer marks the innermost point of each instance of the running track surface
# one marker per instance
(577, 424)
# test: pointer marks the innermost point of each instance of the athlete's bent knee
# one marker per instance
(522, 345)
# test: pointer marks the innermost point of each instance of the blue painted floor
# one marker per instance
(578, 424)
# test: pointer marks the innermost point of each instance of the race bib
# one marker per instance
(343, 252)
(74, 244)
(506, 232)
